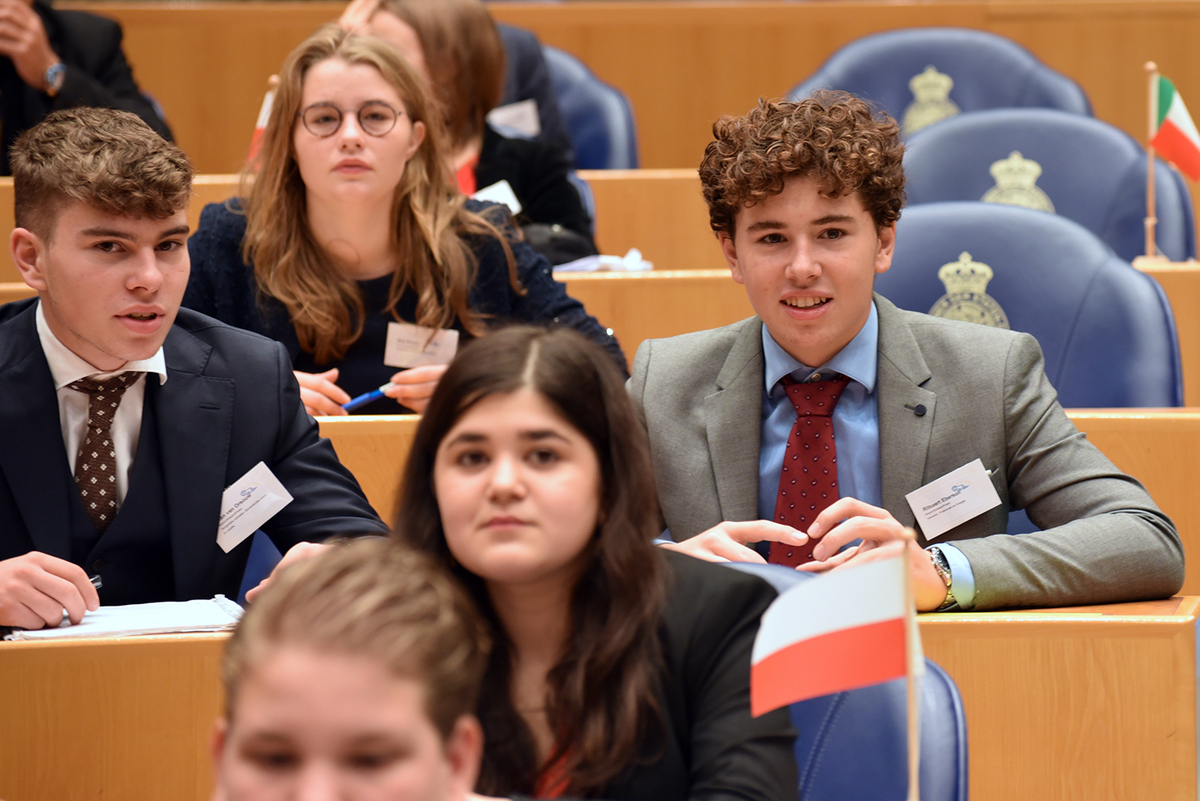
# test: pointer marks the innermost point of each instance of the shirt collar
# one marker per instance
(66, 367)
(858, 361)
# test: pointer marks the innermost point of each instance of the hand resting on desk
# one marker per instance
(36, 588)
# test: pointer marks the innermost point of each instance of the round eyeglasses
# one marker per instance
(325, 119)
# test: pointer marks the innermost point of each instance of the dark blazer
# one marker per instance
(713, 750)
(229, 402)
(97, 74)
(526, 77)
(985, 395)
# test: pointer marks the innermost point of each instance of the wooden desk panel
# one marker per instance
(374, 448)
(109, 719)
(655, 304)
(1088, 703)
(682, 64)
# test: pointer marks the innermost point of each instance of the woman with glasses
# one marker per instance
(352, 245)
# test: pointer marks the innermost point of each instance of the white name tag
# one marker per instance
(953, 499)
(410, 345)
(522, 115)
(500, 192)
(248, 503)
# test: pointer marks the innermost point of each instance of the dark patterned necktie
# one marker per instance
(96, 466)
(808, 481)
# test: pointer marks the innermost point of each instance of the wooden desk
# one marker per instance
(1088, 703)
(682, 64)
(374, 448)
(109, 719)
(1084, 704)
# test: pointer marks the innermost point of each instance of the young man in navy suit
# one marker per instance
(126, 418)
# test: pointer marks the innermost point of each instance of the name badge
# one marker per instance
(248, 503)
(411, 345)
(953, 499)
(500, 192)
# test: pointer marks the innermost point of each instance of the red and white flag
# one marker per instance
(264, 114)
(846, 629)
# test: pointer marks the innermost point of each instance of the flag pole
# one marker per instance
(914, 717)
(1151, 220)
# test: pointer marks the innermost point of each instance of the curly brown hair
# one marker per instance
(833, 136)
(109, 160)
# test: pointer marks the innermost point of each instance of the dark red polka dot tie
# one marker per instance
(96, 465)
(808, 481)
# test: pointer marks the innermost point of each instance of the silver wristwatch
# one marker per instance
(55, 77)
(943, 570)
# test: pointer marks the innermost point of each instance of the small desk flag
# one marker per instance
(1175, 136)
(845, 629)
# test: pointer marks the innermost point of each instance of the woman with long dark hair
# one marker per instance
(619, 670)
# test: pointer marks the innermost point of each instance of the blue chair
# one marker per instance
(1105, 328)
(1083, 169)
(854, 745)
(985, 70)
(262, 560)
(598, 116)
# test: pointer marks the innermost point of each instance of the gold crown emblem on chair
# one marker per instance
(1016, 184)
(932, 92)
(966, 297)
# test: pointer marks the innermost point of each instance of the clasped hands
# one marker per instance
(842, 522)
(412, 387)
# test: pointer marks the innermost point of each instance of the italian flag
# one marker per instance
(846, 629)
(1175, 137)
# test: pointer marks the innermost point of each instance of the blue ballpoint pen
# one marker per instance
(363, 400)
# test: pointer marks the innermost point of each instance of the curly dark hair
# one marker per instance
(833, 136)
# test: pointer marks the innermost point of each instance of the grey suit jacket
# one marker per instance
(985, 395)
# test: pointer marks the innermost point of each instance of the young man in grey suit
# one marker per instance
(804, 198)
(125, 418)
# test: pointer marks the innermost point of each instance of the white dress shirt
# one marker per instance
(66, 367)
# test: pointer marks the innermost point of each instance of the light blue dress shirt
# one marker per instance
(855, 429)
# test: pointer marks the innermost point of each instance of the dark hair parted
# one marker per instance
(601, 695)
(832, 136)
(464, 56)
(376, 598)
(109, 160)
(432, 228)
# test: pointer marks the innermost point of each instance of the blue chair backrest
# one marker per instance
(854, 745)
(988, 71)
(1105, 328)
(1090, 172)
(599, 116)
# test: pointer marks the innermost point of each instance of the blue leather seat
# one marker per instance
(854, 745)
(1090, 172)
(988, 71)
(262, 560)
(598, 116)
(1105, 328)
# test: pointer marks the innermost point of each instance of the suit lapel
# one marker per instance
(904, 433)
(30, 421)
(194, 414)
(733, 425)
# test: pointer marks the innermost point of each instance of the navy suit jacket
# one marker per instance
(229, 402)
(97, 74)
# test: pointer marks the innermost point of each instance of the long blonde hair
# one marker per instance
(431, 224)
